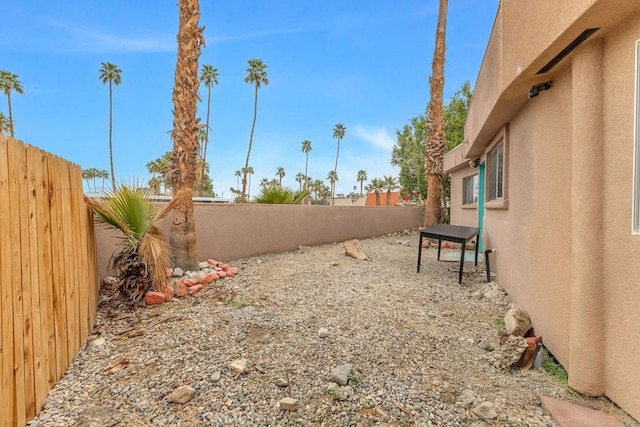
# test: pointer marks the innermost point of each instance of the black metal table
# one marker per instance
(450, 233)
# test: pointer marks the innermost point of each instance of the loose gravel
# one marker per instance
(408, 342)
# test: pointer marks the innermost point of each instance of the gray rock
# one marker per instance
(491, 340)
(517, 321)
(204, 264)
(177, 272)
(345, 393)
(98, 342)
(485, 411)
(289, 404)
(97, 416)
(340, 374)
(182, 394)
(323, 332)
(239, 366)
(468, 399)
(197, 276)
(281, 382)
(215, 377)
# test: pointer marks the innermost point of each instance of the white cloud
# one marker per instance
(378, 137)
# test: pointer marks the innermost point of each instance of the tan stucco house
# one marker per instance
(550, 169)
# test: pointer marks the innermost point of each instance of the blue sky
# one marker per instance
(363, 64)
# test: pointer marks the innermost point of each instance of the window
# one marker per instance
(635, 214)
(495, 172)
(470, 190)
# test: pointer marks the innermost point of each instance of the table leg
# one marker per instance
(461, 264)
(439, 246)
(477, 244)
(419, 253)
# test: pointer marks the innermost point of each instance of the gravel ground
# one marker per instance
(294, 317)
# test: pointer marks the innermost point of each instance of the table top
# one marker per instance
(458, 232)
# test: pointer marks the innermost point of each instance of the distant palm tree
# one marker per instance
(300, 179)
(248, 171)
(390, 183)
(4, 124)
(376, 185)
(9, 82)
(306, 148)
(338, 133)
(332, 177)
(110, 73)
(264, 182)
(238, 174)
(208, 77)
(256, 75)
(361, 178)
(280, 173)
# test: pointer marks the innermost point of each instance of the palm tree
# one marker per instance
(300, 179)
(264, 182)
(249, 172)
(306, 148)
(9, 82)
(4, 123)
(390, 183)
(332, 177)
(436, 140)
(208, 77)
(256, 75)
(280, 174)
(238, 174)
(361, 178)
(185, 133)
(90, 174)
(338, 133)
(375, 186)
(110, 73)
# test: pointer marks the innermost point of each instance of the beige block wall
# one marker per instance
(233, 231)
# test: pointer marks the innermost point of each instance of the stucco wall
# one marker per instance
(233, 231)
(565, 250)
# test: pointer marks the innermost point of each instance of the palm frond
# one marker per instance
(178, 199)
(133, 208)
(154, 252)
(107, 216)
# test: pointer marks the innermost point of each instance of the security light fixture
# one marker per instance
(537, 88)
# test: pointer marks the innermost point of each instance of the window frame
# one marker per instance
(475, 178)
(501, 139)
(635, 196)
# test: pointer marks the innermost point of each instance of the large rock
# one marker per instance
(485, 411)
(153, 297)
(289, 404)
(491, 340)
(340, 374)
(353, 249)
(182, 394)
(517, 321)
(510, 352)
(97, 416)
(239, 366)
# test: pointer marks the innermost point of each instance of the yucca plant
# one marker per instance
(143, 259)
(281, 195)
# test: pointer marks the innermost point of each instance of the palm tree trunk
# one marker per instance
(185, 133)
(377, 197)
(113, 177)
(435, 125)
(306, 165)
(389, 197)
(206, 142)
(10, 114)
(246, 163)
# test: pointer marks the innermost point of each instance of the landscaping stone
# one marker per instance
(289, 404)
(196, 288)
(517, 321)
(491, 340)
(153, 297)
(182, 394)
(178, 272)
(323, 332)
(239, 366)
(340, 374)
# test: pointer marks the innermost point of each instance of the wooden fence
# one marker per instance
(48, 277)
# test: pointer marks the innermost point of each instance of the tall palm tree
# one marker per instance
(332, 177)
(257, 76)
(110, 73)
(4, 124)
(249, 172)
(264, 182)
(9, 82)
(238, 174)
(185, 133)
(390, 183)
(361, 178)
(280, 173)
(338, 133)
(208, 77)
(306, 148)
(436, 140)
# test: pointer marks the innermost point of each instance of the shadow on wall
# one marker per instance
(233, 231)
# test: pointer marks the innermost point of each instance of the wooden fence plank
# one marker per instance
(57, 263)
(81, 283)
(7, 387)
(15, 159)
(45, 269)
(69, 292)
(40, 337)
